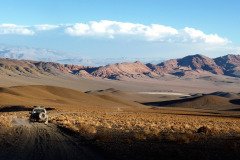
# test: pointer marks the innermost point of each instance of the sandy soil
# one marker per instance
(165, 93)
(35, 141)
(121, 134)
(201, 85)
(109, 124)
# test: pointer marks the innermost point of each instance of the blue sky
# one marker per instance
(131, 28)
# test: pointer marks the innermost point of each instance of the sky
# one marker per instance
(123, 28)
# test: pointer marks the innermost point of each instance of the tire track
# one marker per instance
(36, 141)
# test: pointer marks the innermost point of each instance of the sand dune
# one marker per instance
(214, 101)
(226, 94)
(56, 97)
(166, 93)
(116, 96)
(206, 100)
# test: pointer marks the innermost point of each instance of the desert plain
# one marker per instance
(120, 119)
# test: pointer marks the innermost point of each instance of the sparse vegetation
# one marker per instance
(5, 121)
(148, 135)
(147, 126)
(119, 130)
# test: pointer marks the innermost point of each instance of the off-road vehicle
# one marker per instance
(38, 114)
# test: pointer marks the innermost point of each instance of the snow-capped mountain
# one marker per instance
(27, 53)
(38, 54)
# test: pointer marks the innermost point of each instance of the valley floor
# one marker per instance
(165, 84)
(138, 133)
(112, 120)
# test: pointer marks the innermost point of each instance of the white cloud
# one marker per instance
(153, 32)
(15, 29)
(113, 28)
(46, 27)
(156, 31)
(198, 36)
(78, 29)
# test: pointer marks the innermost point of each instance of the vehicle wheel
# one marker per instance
(42, 116)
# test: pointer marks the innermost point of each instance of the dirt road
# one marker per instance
(37, 141)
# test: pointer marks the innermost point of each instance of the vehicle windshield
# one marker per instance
(38, 110)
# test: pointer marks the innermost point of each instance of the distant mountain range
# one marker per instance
(37, 54)
(192, 66)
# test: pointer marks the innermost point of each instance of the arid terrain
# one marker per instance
(122, 111)
(119, 80)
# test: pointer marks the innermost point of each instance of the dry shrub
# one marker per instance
(130, 126)
(69, 122)
(204, 130)
(179, 137)
(87, 131)
(105, 134)
(5, 121)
